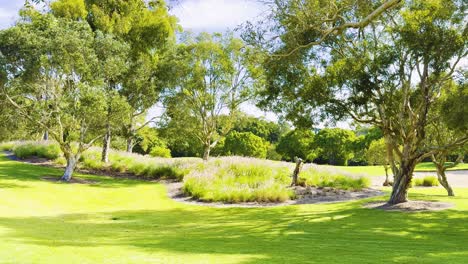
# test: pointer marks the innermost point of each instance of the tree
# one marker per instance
(214, 76)
(45, 57)
(268, 130)
(148, 30)
(387, 74)
(335, 145)
(446, 129)
(376, 154)
(245, 144)
(296, 143)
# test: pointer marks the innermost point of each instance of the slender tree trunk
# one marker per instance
(130, 144)
(443, 179)
(206, 152)
(131, 135)
(46, 135)
(71, 165)
(387, 182)
(402, 182)
(106, 145)
(296, 172)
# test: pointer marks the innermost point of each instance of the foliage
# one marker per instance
(53, 80)
(367, 74)
(335, 145)
(272, 154)
(268, 130)
(296, 143)
(245, 144)
(158, 151)
(214, 74)
(377, 153)
(427, 181)
(147, 139)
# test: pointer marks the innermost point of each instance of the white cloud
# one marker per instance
(9, 12)
(216, 15)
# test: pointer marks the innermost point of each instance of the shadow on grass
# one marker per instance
(16, 170)
(346, 233)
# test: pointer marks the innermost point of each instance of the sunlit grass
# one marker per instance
(380, 171)
(128, 221)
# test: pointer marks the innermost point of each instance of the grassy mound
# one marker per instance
(236, 179)
(228, 179)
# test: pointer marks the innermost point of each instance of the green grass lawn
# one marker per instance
(124, 221)
(379, 170)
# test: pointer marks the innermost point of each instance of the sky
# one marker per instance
(9, 11)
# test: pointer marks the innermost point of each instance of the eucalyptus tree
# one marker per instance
(388, 74)
(137, 34)
(148, 29)
(447, 126)
(215, 75)
(43, 55)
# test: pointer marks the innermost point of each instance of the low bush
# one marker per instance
(427, 181)
(237, 179)
(323, 178)
(138, 165)
(7, 146)
(45, 150)
(162, 152)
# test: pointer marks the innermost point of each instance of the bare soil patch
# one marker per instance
(72, 180)
(410, 206)
(305, 195)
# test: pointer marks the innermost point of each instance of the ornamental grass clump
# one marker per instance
(428, 181)
(327, 178)
(235, 179)
(42, 149)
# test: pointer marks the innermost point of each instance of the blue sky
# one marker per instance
(9, 11)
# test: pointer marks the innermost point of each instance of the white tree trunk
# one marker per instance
(71, 165)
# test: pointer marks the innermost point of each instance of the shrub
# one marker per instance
(272, 154)
(245, 144)
(427, 181)
(313, 177)
(37, 149)
(239, 180)
(296, 143)
(7, 146)
(162, 152)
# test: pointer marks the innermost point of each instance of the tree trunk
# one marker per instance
(443, 180)
(130, 144)
(387, 182)
(206, 152)
(71, 165)
(131, 134)
(46, 135)
(296, 172)
(106, 145)
(402, 182)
